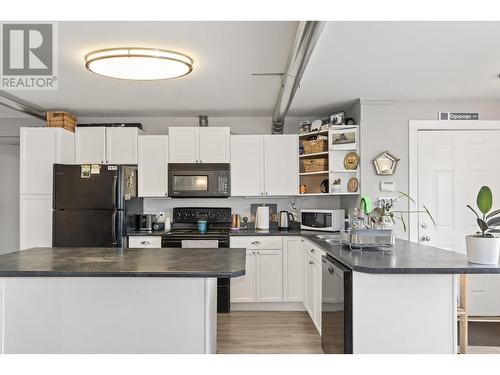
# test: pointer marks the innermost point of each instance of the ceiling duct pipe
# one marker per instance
(306, 37)
(21, 105)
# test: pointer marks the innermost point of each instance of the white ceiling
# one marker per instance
(373, 60)
(224, 53)
(401, 61)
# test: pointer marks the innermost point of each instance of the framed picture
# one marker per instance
(343, 139)
(337, 118)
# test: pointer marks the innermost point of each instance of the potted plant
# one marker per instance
(484, 247)
(336, 186)
(384, 216)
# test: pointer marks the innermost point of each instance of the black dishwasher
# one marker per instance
(336, 307)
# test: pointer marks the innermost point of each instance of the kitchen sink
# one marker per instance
(330, 238)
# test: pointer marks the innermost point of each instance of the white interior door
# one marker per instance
(452, 166)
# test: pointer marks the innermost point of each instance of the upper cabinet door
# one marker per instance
(215, 145)
(247, 165)
(40, 148)
(281, 164)
(121, 145)
(183, 145)
(90, 145)
(152, 165)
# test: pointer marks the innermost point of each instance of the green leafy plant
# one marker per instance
(489, 222)
(385, 212)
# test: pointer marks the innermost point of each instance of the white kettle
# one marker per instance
(262, 217)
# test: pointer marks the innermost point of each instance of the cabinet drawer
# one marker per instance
(258, 242)
(144, 241)
(314, 251)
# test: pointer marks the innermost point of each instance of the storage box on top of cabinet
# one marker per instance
(63, 120)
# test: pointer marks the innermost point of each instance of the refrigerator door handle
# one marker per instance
(113, 230)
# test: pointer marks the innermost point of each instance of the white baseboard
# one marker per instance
(267, 306)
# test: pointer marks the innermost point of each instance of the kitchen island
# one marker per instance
(108, 300)
(403, 300)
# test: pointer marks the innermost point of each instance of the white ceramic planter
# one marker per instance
(482, 250)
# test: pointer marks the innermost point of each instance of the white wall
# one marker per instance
(9, 193)
(384, 126)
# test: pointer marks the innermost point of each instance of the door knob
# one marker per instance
(425, 238)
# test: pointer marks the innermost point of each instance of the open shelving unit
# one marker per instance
(342, 140)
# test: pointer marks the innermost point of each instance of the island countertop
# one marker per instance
(405, 258)
(118, 262)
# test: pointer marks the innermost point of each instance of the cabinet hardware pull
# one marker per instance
(312, 251)
(253, 252)
(145, 243)
(255, 242)
(311, 262)
(330, 269)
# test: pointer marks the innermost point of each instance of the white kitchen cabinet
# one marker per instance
(144, 241)
(40, 148)
(35, 221)
(90, 145)
(152, 165)
(244, 288)
(263, 279)
(199, 145)
(121, 145)
(264, 165)
(247, 165)
(293, 270)
(215, 145)
(312, 290)
(106, 145)
(183, 144)
(269, 275)
(281, 164)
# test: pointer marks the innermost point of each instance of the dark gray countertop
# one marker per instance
(112, 262)
(406, 257)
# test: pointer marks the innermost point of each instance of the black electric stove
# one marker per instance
(185, 234)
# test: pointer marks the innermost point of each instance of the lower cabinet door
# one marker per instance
(309, 286)
(293, 270)
(244, 288)
(270, 275)
(317, 296)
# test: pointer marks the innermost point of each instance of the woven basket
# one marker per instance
(312, 147)
(314, 165)
(61, 120)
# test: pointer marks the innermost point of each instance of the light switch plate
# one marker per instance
(387, 186)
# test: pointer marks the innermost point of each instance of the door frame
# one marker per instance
(414, 127)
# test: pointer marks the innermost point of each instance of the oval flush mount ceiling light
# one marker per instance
(141, 64)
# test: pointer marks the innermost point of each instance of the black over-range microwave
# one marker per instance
(199, 180)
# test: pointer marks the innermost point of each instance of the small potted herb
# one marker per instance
(336, 186)
(484, 247)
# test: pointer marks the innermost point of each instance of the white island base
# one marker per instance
(108, 315)
(404, 313)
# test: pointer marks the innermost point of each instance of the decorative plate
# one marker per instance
(352, 185)
(351, 161)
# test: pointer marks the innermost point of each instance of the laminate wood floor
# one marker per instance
(272, 332)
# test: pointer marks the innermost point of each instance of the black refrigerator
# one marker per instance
(89, 203)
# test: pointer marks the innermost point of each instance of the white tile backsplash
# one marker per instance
(239, 205)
